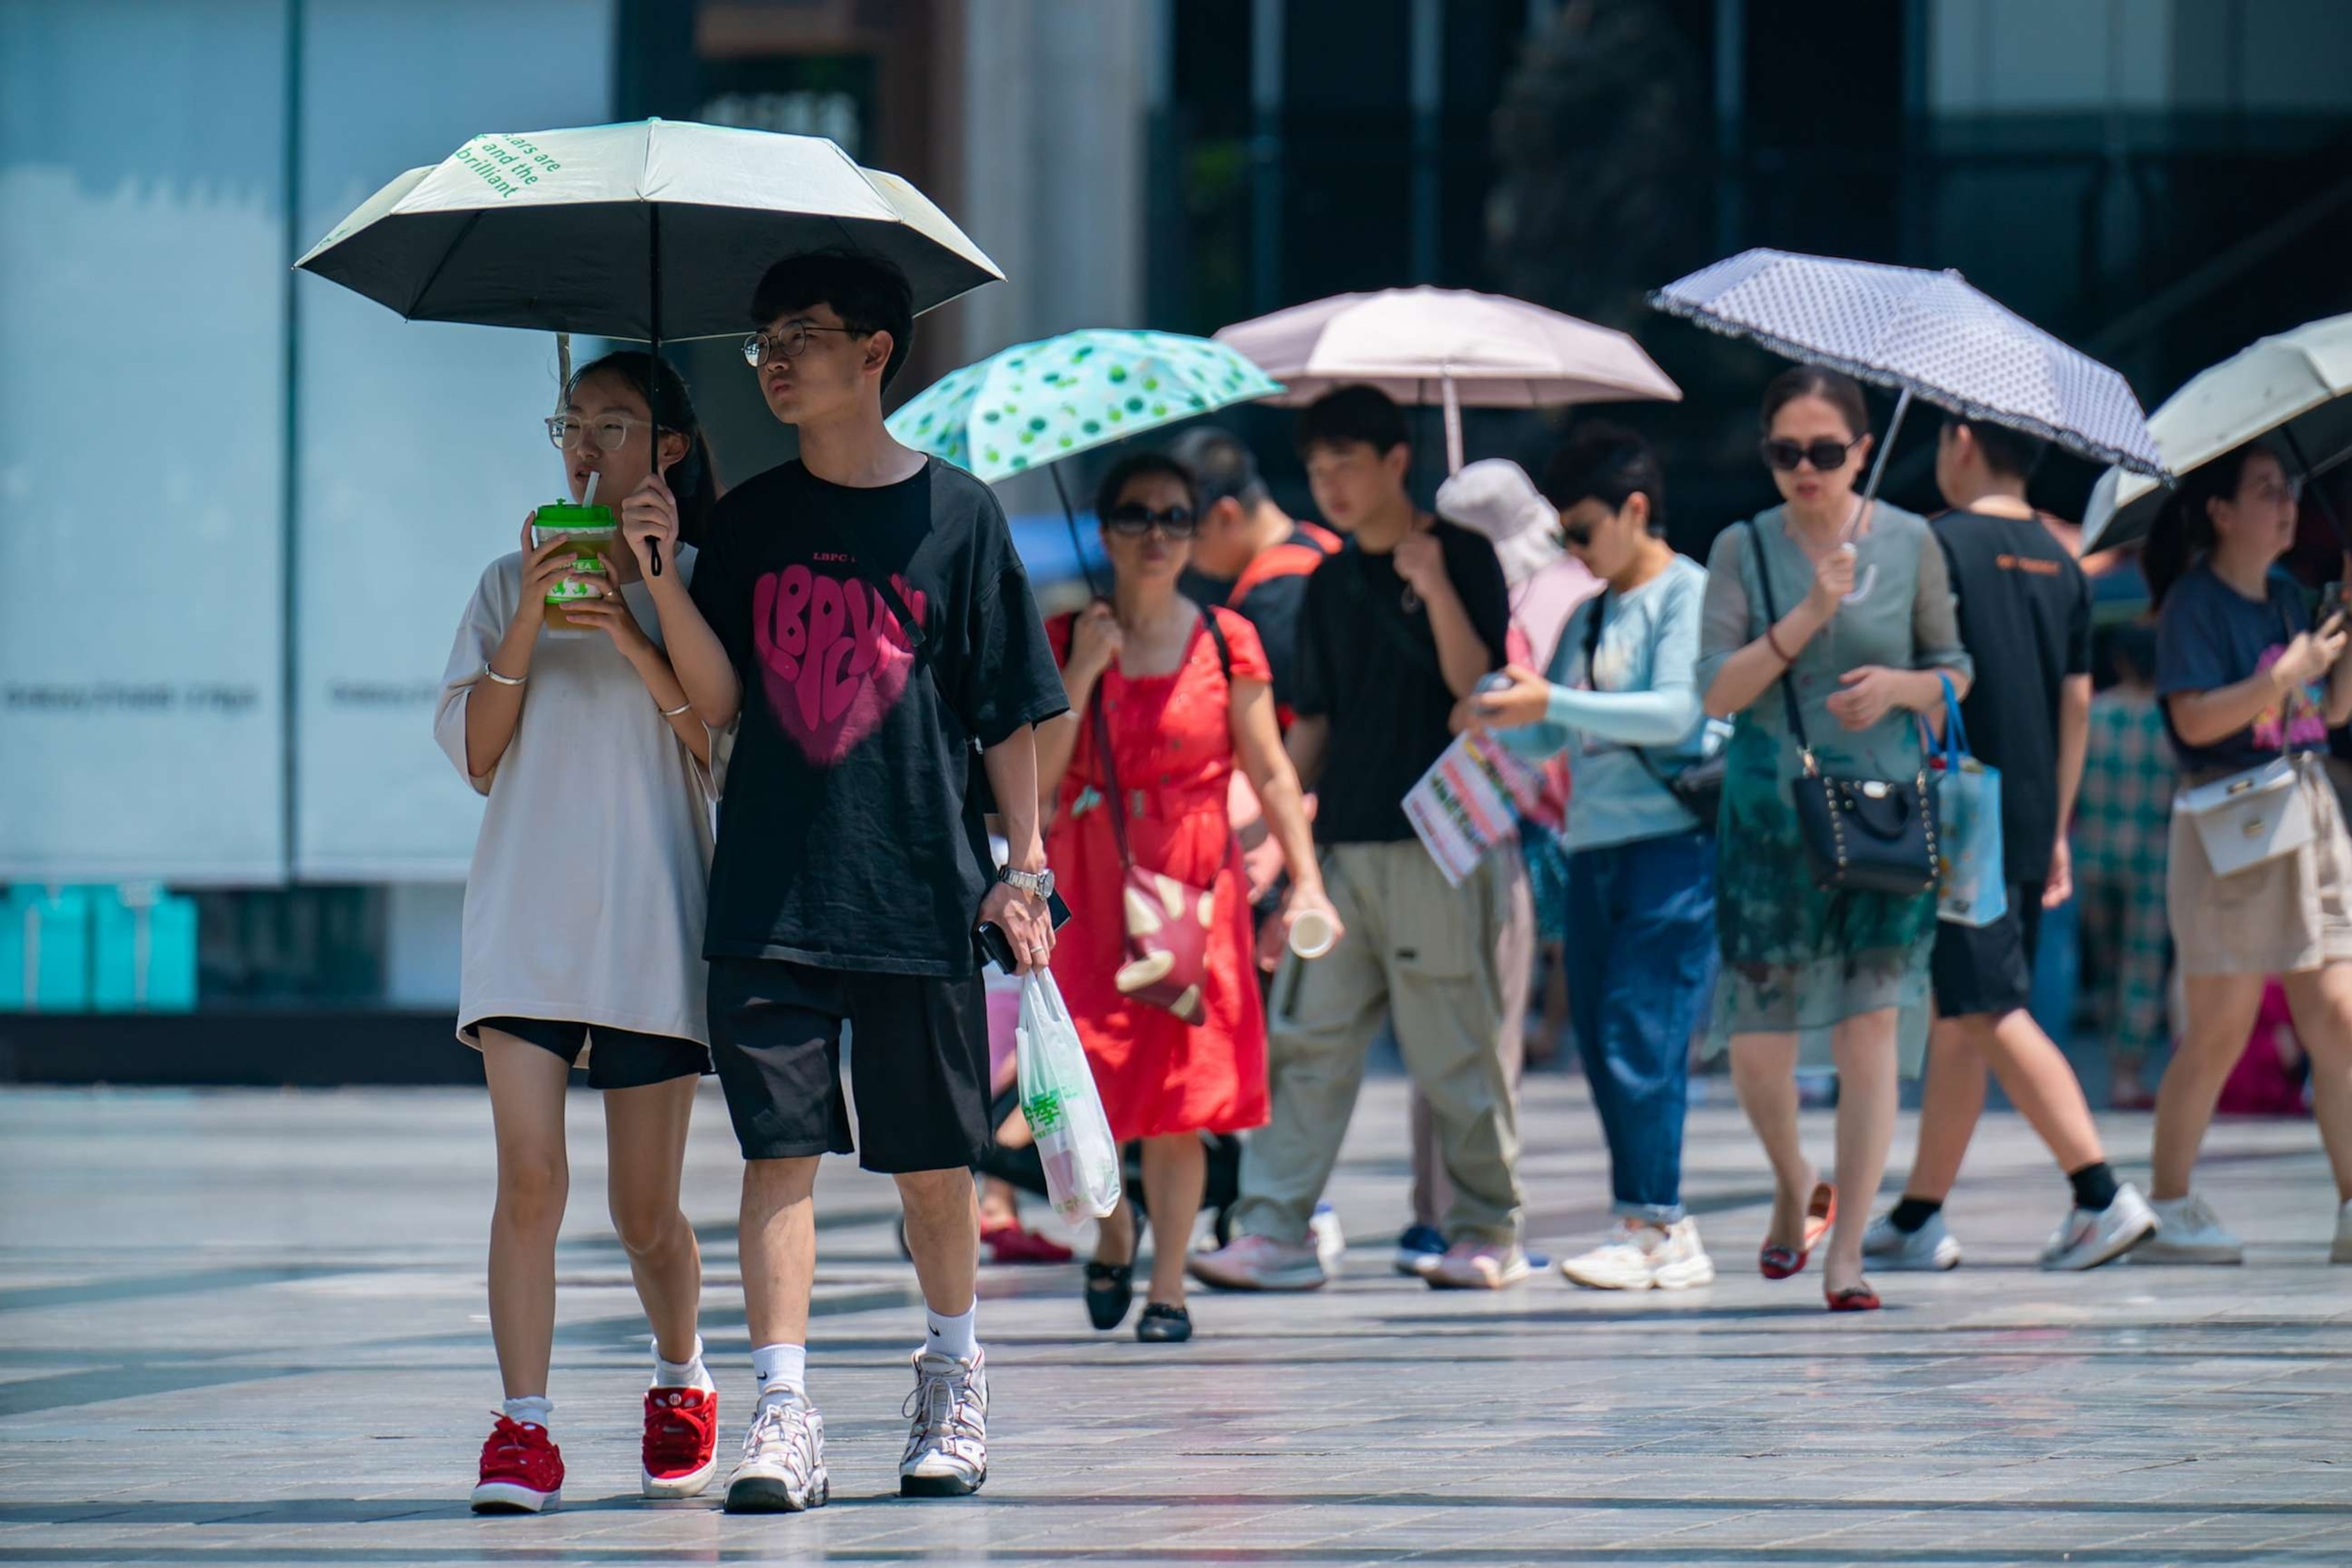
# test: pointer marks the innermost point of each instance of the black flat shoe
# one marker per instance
(1110, 1291)
(1163, 1324)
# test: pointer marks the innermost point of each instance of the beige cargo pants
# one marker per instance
(1449, 966)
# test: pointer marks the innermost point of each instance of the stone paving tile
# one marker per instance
(248, 1329)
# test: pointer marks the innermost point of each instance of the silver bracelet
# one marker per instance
(503, 679)
(674, 712)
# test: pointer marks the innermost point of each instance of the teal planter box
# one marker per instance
(143, 950)
(45, 950)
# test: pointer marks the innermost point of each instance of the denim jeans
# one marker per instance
(1641, 962)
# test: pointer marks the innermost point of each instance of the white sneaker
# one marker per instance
(2092, 1237)
(783, 1467)
(1638, 1257)
(946, 1451)
(1331, 1241)
(2188, 1231)
(2342, 1251)
(1258, 1263)
(1479, 1266)
(1894, 1250)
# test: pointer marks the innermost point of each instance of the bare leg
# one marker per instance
(2221, 1015)
(943, 1236)
(2039, 1081)
(645, 1142)
(1868, 1095)
(1764, 1074)
(1952, 1102)
(527, 1086)
(2320, 1001)
(1115, 1236)
(1175, 1174)
(778, 1237)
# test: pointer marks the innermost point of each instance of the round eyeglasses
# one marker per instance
(788, 341)
(610, 431)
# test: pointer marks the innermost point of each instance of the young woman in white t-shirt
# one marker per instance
(583, 920)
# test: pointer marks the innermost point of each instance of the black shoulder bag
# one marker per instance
(1699, 787)
(1865, 835)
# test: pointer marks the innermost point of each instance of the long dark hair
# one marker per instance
(2183, 531)
(693, 479)
(1836, 388)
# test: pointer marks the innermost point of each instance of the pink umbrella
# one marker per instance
(1449, 346)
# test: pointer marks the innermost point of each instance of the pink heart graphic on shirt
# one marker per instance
(833, 658)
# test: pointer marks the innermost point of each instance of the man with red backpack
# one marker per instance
(1248, 555)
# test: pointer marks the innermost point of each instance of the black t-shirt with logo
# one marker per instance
(1368, 661)
(2025, 617)
(849, 836)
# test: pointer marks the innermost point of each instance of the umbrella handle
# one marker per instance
(1070, 516)
(1870, 495)
(653, 370)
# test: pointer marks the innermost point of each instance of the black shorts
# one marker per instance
(622, 1057)
(1979, 969)
(920, 1050)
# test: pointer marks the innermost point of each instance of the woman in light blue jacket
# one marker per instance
(1622, 701)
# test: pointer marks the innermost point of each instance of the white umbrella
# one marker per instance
(657, 230)
(1450, 346)
(2293, 384)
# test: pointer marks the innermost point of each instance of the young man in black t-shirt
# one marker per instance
(2025, 615)
(1396, 629)
(859, 615)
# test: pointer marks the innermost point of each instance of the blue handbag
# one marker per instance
(1970, 869)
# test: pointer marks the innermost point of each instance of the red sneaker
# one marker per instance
(522, 1472)
(681, 1441)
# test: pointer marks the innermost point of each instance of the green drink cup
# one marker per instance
(593, 531)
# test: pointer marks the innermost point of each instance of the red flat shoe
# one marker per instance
(1777, 1262)
(1011, 1243)
(1852, 1299)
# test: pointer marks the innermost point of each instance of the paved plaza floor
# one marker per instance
(248, 1328)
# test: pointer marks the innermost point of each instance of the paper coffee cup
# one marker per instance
(1312, 935)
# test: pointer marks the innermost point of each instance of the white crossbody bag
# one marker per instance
(2260, 814)
(2250, 817)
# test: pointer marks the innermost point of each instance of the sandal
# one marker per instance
(1110, 1291)
(1163, 1324)
(1852, 1299)
(1011, 1242)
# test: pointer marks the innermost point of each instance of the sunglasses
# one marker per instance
(1824, 454)
(1133, 520)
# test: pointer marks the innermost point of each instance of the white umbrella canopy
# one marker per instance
(1452, 346)
(569, 230)
(2292, 384)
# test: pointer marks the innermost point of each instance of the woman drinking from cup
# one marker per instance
(583, 913)
(1165, 699)
(1827, 629)
(2250, 689)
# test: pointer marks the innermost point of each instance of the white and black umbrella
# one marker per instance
(1922, 334)
(654, 231)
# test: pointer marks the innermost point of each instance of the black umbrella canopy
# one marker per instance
(657, 230)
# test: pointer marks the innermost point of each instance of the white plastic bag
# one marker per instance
(1065, 1115)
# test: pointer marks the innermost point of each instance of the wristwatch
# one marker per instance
(1038, 885)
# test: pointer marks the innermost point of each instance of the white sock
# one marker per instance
(687, 1374)
(952, 1336)
(531, 1410)
(779, 1367)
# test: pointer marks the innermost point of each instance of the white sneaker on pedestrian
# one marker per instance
(1479, 1266)
(947, 1450)
(1892, 1250)
(1258, 1263)
(783, 1467)
(2092, 1237)
(1331, 1241)
(1638, 1256)
(2342, 1251)
(2188, 1231)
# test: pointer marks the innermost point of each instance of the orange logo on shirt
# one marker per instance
(2032, 566)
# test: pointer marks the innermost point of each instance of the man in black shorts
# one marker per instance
(861, 612)
(2025, 615)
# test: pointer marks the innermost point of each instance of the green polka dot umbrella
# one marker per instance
(1036, 403)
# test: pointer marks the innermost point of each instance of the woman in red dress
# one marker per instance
(1184, 699)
